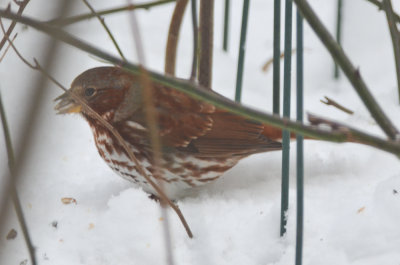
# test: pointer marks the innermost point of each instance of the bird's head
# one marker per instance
(104, 90)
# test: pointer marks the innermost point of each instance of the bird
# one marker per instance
(199, 142)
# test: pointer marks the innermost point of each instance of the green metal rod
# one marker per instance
(242, 44)
(226, 25)
(299, 143)
(276, 70)
(338, 32)
(286, 113)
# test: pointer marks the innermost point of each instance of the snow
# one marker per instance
(352, 192)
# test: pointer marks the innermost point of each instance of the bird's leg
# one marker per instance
(154, 197)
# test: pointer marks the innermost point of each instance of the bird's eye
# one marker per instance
(89, 91)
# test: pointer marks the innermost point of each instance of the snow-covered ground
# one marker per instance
(352, 192)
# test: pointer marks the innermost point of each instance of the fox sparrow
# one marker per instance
(199, 141)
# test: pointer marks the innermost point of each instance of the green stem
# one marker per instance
(349, 70)
(338, 32)
(196, 91)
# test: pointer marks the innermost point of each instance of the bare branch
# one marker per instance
(11, 43)
(201, 93)
(394, 33)
(379, 4)
(22, 5)
(353, 135)
(352, 73)
(8, 47)
(151, 118)
(206, 42)
(103, 23)
(195, 32)
(70, 20)
(173, 36)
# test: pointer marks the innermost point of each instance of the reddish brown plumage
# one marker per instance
(199, 142)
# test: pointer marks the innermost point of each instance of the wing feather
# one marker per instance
(232, 135)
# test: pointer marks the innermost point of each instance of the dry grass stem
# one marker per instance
(331, 102)
(195, 30)
(154, 133)
(70, 20)
(22, 5)
(269, 63)
(103, 23)
(395, 36)
(8, 47)
(173, 37)
(206, 42)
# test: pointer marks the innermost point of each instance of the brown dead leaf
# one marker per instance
(361, 209)
(267, 65)
(68, 200)
(12, 234)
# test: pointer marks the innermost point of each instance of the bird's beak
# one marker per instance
(67, 105)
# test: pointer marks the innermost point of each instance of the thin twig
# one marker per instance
(379, 4)
(173, 36)
(226, 25)
(154, 133)
(352, 135)
(338, 33)
(331, 102)
(394, 33)
(21, 8)
(349, 70)
(11, 44)
(14, 193)
(103, 23)
(25, 138)
(200, 93)
(70, 20)
(195, 30)
(7, 48)
(206, 42)
(267, 65)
